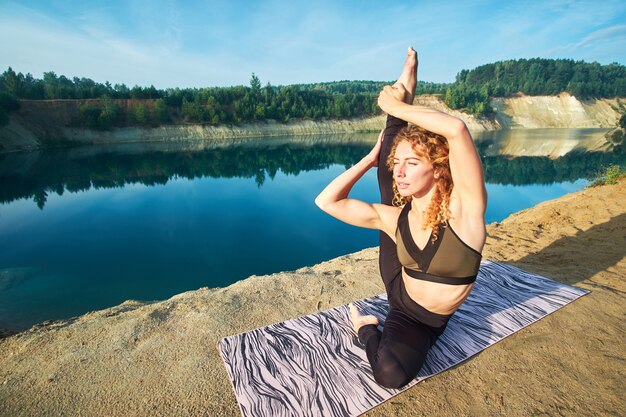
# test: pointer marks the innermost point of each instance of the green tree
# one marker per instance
(89, 115)
(255, 86)
(192, 111)
(161, 112)
(8, 102)
(121, 91)
(141, 113)
(108, 115)
(50, 85)
(12, 83)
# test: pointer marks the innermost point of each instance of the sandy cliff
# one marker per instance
(564, 111)
(160, 358)
(40, 124)
(28, 135)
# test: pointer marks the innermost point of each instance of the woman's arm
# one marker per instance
(334, 198)
(465, 166)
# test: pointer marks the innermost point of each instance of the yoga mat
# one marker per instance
(315, 365)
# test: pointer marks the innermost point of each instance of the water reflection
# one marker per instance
(36, 175)
(147, 221)
(551, 143)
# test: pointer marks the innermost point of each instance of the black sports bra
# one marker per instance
(448, 260)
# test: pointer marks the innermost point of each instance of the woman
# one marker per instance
(431, 219)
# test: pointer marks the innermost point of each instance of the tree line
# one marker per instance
(211, 105)
(470, 92)
(473, 88)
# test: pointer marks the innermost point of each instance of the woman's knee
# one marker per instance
(391, 375)
(397, 364)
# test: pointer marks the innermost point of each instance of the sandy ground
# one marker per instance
(141, 359)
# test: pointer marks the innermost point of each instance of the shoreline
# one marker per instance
(41, 124)
(11, 327)
(169, 345)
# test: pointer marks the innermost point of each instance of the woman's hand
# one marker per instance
(374, 154)
(391, 96)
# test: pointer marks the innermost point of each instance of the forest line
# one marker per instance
(235, 105)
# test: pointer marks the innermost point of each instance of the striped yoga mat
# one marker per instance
(315, 366)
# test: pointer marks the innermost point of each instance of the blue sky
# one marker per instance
(218, 43)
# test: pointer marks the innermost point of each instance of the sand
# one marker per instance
(140, 359)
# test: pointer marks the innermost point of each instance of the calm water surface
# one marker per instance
(86, 228)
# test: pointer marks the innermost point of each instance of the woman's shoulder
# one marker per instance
(388, 210)
(466, 206)
(389, 216)
(469, 229)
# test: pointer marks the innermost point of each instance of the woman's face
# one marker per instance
(412, 173)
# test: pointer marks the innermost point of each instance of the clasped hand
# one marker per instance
(391, 95)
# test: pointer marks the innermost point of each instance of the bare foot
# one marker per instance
(358, 320)
(408, 78)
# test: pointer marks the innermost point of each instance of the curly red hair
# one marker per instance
(434, 148)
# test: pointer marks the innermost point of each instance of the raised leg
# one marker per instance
(390, 267)
(396, 354)
(408, 77)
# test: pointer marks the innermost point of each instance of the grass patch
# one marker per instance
(610, 175)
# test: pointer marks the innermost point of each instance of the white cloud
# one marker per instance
(93, 52)
(223, 43)
(597, 45)
(615, 33)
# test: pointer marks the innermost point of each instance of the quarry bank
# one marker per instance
(43, 124)
(160, 358)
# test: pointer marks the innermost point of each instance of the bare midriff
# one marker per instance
(435, 297)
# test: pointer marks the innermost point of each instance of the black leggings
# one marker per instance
(397, 354)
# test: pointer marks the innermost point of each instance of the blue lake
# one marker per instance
(83, 229)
